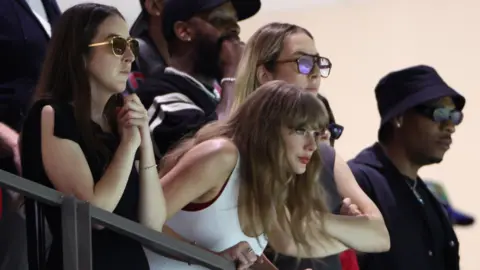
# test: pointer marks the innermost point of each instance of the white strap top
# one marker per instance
(215, 228)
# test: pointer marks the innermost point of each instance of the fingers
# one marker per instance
(132, 118)
(133, 112)
(244, 256)
(134, 106)
(132, 97)
(349, 208)
(354, 209)
(347, 201)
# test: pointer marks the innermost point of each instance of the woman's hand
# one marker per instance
(242, 254)
(133, 118)
(133, 103)
(349, 209)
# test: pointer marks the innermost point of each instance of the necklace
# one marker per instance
(413, 188)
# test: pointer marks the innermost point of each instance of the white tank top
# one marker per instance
(215, 228)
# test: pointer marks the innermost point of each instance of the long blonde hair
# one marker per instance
(269, 192)
(263, 48)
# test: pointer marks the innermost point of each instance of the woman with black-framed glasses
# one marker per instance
(282, 51)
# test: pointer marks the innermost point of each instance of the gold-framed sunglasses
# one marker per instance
(119, 45)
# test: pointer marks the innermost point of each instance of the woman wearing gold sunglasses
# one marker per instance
(77, 139)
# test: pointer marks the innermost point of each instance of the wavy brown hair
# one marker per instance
(269, 192)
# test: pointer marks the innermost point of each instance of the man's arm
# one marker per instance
(172, 116)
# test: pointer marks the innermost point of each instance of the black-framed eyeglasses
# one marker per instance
(306, 64)
(336, 130)
(119, 45)
(440, 114)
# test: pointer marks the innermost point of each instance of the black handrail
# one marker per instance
(76, 225)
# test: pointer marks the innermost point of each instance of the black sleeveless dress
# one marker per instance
(109, 249)
(335, 201)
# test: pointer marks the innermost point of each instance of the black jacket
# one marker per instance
(411, 234)
(23, 44)
(177, 104)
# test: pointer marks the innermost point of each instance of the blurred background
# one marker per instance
(365, 39)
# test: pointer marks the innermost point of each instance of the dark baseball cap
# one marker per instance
(183, 10)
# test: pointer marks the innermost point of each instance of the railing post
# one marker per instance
(70, 233)
(76, 229)
(77, 238)
(84, 219)
(35, 230)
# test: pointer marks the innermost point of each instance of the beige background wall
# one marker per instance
(365, 39)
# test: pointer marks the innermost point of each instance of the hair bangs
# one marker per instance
(307, 111)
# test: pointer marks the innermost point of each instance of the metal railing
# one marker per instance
(77, 219)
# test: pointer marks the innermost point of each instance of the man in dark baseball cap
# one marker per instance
(204, 50)
(419, 113)
(195, 28)
(184, 10)
(158, 16)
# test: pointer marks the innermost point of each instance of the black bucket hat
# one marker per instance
(404, 89)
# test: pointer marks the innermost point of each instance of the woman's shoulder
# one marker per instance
(62, 114)
(215, 153)
(58, 107)
(220, 149)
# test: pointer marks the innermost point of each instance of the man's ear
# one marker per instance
(182, 31)
(153, 7)
(263, 75)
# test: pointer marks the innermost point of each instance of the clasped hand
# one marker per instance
(132, 120)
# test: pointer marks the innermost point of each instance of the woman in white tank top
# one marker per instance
(234, 185)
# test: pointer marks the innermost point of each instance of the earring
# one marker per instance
(186, 38)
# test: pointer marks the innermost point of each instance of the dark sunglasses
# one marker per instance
(119, 45)
(440, 114)
(306, 64)
(336, 130)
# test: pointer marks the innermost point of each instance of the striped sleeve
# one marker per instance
(172, 116)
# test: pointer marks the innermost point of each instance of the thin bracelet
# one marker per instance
(227, 79)
(149, 167)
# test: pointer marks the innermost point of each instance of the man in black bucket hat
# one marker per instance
(419, 113)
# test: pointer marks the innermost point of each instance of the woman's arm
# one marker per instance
(344, 232)
(152, 202)
(323, 245)
(348, 188)
(203, 168)
(68, 170)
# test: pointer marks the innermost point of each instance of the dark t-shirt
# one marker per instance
(334, 202)
(109, 249)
